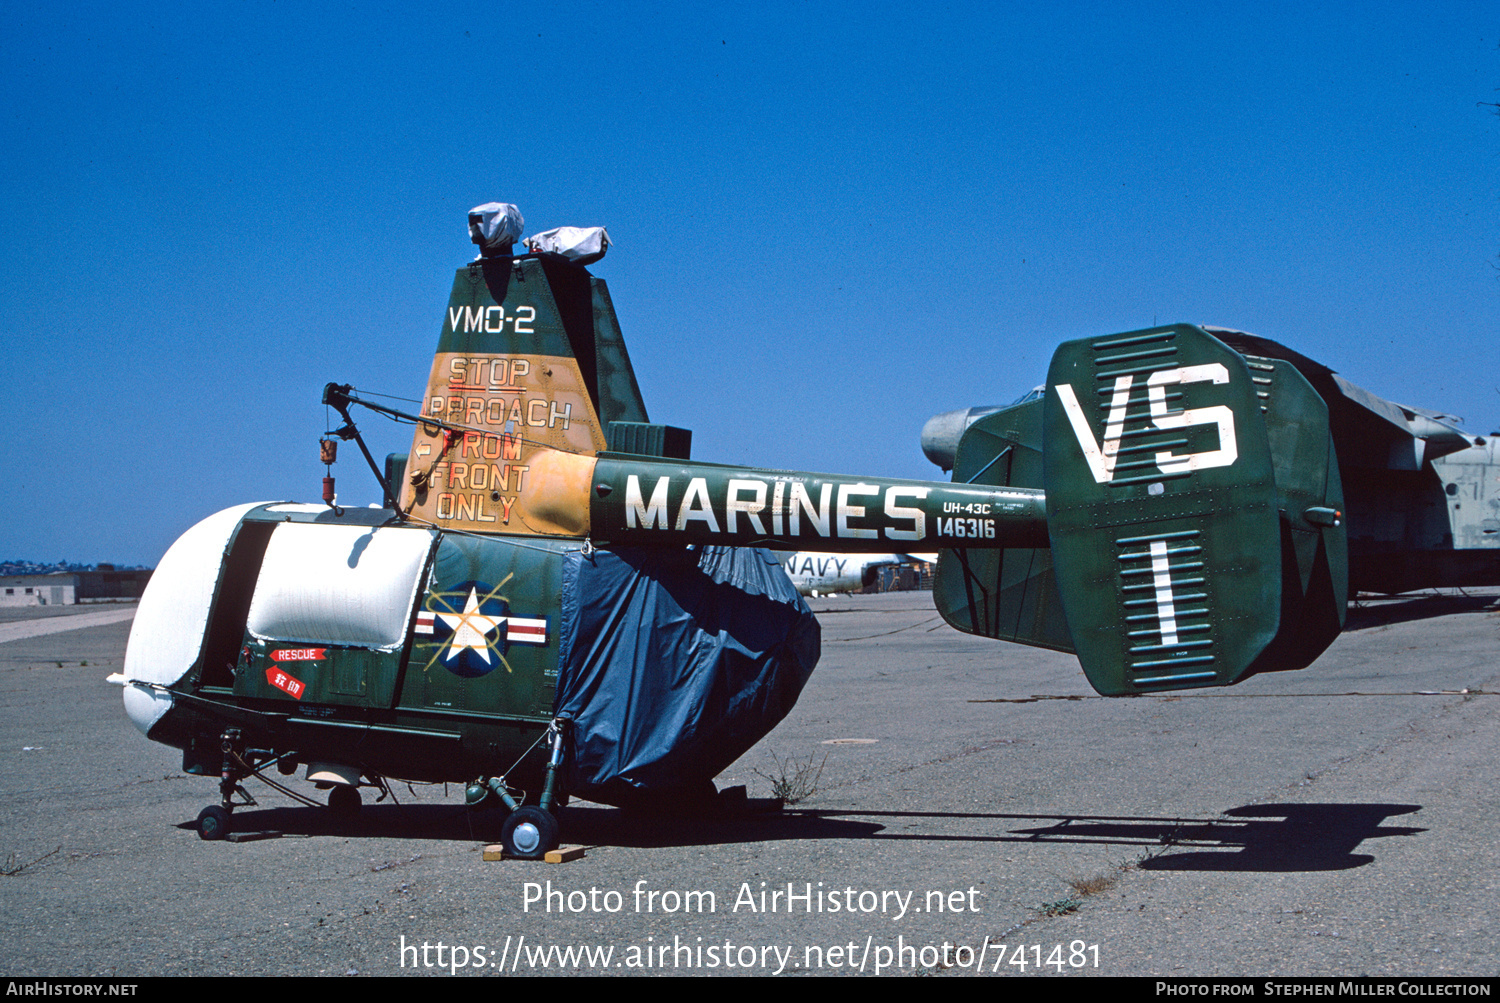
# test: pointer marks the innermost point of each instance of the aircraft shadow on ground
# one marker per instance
(1405, 609)
(1262, 837)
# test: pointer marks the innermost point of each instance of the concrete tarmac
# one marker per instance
(61, 618)
(962, 794)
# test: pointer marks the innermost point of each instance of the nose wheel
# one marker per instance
(213, 822)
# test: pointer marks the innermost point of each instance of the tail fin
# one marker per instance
(1310, 498)
(530, 360)
(1166, 507)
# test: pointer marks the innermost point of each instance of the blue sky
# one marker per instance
(830, 222)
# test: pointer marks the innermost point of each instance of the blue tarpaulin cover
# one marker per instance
(673, 663)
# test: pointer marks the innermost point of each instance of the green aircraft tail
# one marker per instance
(1193, 508)
(1006, 593)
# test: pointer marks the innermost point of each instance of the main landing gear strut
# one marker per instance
(214, 821)
(530, 830)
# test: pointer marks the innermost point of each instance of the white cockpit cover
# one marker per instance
(350, 585)
(173, 614)
(581, 244)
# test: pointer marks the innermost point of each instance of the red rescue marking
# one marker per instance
(297, 654)
(285, 683)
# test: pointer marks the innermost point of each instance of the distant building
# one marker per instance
(66, 588)
(38, 590)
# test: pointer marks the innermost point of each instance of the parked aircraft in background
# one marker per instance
(818, 573)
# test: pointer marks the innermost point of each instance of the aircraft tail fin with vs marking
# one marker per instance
(1193, 510)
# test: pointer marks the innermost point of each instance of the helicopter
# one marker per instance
(556, 600)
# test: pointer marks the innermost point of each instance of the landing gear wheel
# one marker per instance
(344, 802)
(213, 822)
(529, 833)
